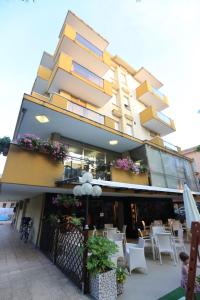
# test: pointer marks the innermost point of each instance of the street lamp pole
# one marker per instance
(87, 189)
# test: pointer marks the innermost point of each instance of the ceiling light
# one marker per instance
(42, 119)
(113, 142)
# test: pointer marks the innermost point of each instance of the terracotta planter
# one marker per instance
(103, 286)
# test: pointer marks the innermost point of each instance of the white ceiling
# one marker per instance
(69, 127)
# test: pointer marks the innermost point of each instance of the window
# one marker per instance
(129, 129)
(117, 127)
(126, 101)
(4, 205)
(112, 75)
(114, 99)
(123, 78)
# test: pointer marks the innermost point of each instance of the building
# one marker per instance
(102, 109)
(195, 155)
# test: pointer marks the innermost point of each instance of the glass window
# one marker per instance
(114, 99)
(180, 167)
(88, 45)
(117, 127)
(126, 101)
(129, 129)
(169, 164)
(158, 179)
(172, 182)
(154, 158)
(87, 74)
(123, 78)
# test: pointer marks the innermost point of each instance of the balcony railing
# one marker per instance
(164, 118)
(82, 71)
(87, 44)
(85, 112)
(170, 146)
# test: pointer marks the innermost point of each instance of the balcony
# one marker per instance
(160, 142)
(156, 121)
(30, 168)
(75, 166)
(151, 96)
(83, 51)
(77, 80)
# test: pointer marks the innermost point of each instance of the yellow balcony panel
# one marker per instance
(120, 175)
(44, 72)
(158, 141)
(30, 168)
(156, 121)
(83, 51)
(151, 96)
(80, 82)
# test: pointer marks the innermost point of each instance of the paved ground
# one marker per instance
(26, 274)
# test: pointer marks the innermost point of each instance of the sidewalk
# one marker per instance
(26, 274)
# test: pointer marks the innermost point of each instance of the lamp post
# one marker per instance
(87, 189)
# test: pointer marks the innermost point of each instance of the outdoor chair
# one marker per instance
(158, 222)
(179, 242)
(135, 256)
(157, 229)
(164, 244)
(110, 232)
(108, 226)
(118, 237)
(119, 254)
(175, 226)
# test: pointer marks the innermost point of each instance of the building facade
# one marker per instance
(194, 154)
(102, 109)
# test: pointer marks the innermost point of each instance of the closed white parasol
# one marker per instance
(191, 211)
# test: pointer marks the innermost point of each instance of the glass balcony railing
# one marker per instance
(170, 146)
(85, 112)
(164, 118)
(88, 45)
(80, 70)
(158, 93)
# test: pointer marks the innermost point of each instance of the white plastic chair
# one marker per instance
(110, 232)
(119, 254)
(157, 229)
(164, 244)
(118, 237)
(179, 242)
(135, 256)
(108, 226)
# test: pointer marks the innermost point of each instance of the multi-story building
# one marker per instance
(102, 109)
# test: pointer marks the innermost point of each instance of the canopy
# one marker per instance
(191, 211)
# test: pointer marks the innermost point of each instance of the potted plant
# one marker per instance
(100, 267)
(120, 278)
(4, 145)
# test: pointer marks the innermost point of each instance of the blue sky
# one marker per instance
(162, 36)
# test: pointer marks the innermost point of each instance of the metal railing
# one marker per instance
(88, 45)
(82, 71)
(163, 117)
(170, 146)
(157, 93)
(85, 112)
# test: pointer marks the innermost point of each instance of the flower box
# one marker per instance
(121, 175)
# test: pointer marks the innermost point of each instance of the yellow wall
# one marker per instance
(44, 72)
(34, 210)
(120, 175)
(27, 167)
(158, 141)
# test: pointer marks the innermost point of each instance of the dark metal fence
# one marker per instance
(65, 245)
